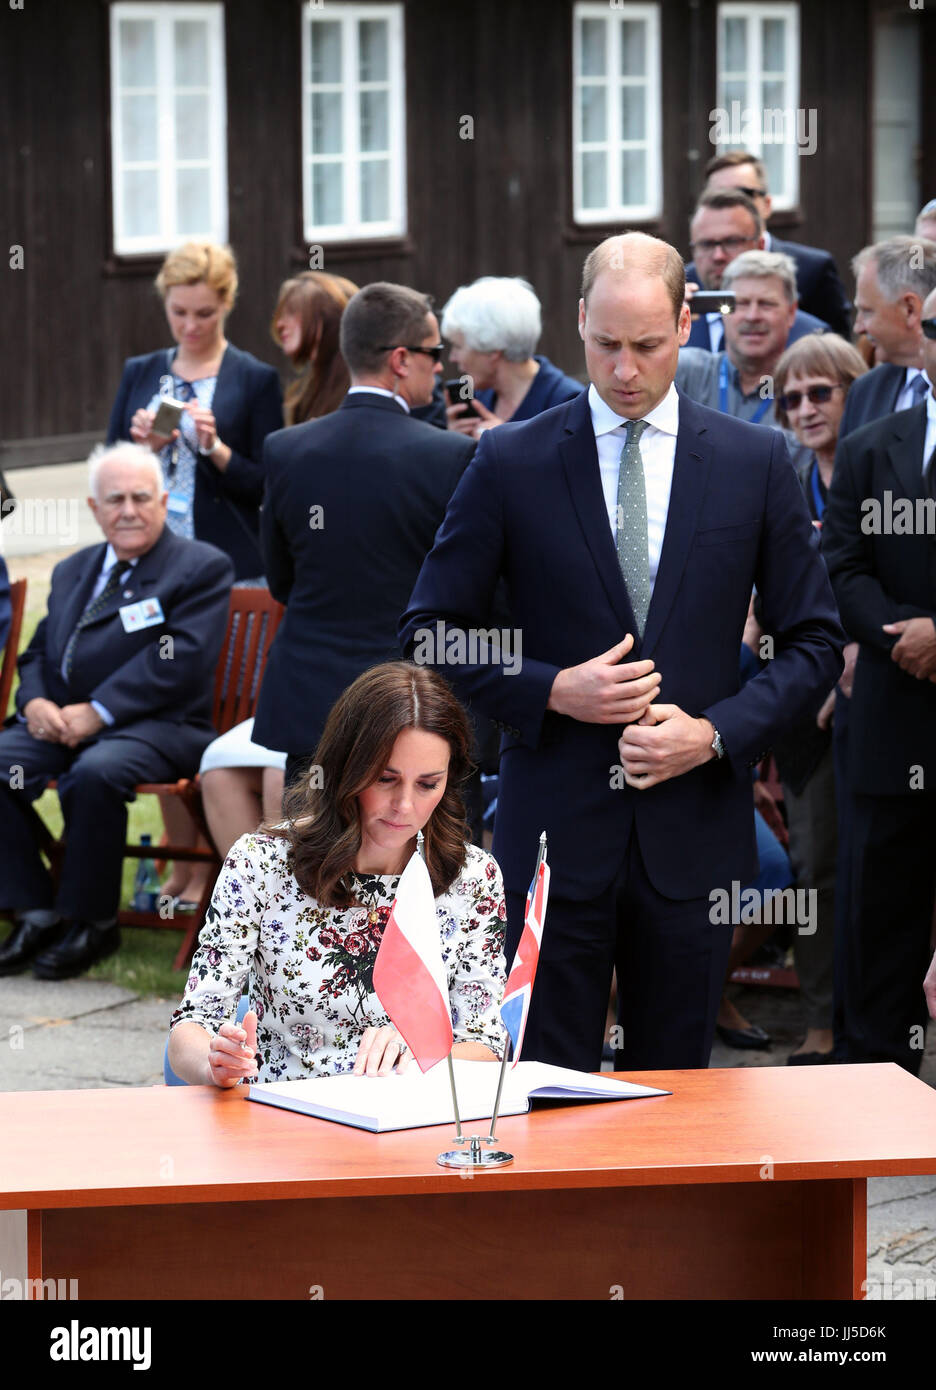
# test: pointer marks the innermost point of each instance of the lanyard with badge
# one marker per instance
(178, 502)
(761, 410)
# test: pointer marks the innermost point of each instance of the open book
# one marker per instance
(407, 1101)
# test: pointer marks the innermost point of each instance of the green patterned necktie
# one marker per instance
(94, 608)
(631, 534)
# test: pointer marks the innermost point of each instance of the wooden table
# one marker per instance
(745, 1183)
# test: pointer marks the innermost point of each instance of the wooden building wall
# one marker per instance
(497, 204)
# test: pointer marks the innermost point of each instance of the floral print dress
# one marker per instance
(309, 970)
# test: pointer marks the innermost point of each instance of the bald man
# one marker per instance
(630, 527)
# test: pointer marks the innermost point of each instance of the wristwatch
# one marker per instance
(717, 746)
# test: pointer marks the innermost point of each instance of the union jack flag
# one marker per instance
(519, 987)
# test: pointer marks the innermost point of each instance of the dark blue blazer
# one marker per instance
(163, 700)
(6, 614)
(531, 508)
(871, 396)
(381, 481)
(548, 388)
(802, 324)
(882, 578)
(247, 406)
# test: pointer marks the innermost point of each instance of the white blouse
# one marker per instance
(308, 970)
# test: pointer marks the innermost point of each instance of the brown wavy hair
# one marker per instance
(324, 828)
(319, 301)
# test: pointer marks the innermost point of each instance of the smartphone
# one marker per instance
(168, 415)
(712, 302)
(453, 389)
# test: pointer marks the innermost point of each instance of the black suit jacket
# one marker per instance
(247, 406)
(878, 579)
(381, 481)
(157, 692)
(530, 508)
(871, 396)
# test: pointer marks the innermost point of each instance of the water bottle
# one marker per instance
(146, 884)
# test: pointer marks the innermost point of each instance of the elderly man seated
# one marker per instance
(115, 689)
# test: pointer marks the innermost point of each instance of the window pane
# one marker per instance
(191, 53)
(375, 190)
(736, 91)
(633, 38)
(138, 128)
(326, 123)
(375, 127)
(633, 113)
(772, 156)
(372, 50)
(594, 126)
(593, 48)
(326, 194)
(773, 100)
(193, 202)
(140, 212)
(137, 53)
(594, 180)
(193, 139)
(772, 39)
(325, 51)
(735, 51)
(633, 176)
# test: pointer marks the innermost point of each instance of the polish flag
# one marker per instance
(409, 977)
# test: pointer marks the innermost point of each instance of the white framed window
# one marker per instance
(617, 123)
(758, 93)
(353, 122)
(168, 118)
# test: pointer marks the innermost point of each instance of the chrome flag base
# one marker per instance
(474, 1156)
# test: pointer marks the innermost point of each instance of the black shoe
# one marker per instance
(748, 1039)
(24, 944)
(78, 950)
(812, 1059)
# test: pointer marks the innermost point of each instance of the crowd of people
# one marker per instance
(623, 581)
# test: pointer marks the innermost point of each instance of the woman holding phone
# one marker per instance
(212, 459)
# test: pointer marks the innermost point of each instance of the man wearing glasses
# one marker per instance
(821, 290)
(878, 539)
(353, 501)
(725, 225)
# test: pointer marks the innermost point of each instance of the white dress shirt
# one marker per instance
(380, 391)
(908, 396)
(657, 452)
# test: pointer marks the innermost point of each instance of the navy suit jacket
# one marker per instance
(802, 324)
(382, 481)
(882, 578)
(871, 396)
(165, 700)
(247, 406)
(531, 508)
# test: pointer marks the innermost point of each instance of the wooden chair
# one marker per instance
(11, 650)
(253, 617)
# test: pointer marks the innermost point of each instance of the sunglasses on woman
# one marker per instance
(816, 395)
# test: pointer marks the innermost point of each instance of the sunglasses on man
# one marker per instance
(816, 395)
(436, 353)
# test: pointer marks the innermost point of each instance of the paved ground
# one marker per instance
(86, 1034)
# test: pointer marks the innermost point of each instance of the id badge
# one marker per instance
(147, 613)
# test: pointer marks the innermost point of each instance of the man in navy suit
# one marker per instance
(725, 225)
(821, 291)
(630, 526)
(892, 279)
(352, 505)
(115, 689)
(878, 541)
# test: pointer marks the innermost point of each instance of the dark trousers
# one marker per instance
(844, 804)
(811, 819)
(893, 888)
(670, 959)
(95, 781)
